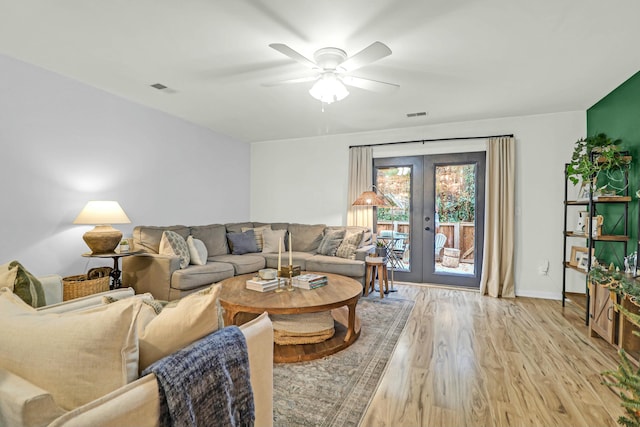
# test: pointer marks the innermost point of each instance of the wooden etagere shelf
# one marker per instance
(591, 240)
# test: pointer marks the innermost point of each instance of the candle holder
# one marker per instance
(279, 288)
(290, 288)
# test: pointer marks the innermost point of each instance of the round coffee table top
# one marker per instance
(338, 292)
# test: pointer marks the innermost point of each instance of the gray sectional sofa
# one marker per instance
(162, 276)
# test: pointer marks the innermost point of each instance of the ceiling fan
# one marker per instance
(333, 68)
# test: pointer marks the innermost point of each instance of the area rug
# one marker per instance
(335, 391)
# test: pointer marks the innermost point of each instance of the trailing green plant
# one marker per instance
(593, 155)
(627, 377)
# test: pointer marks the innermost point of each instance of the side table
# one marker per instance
(116, 272)
(373, 264)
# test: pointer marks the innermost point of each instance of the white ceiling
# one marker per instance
(455, 59)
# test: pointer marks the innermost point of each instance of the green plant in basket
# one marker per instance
(586, 168)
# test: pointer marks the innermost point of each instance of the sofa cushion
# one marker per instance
(242, 264)
(347, 248)
(175, 245)
(137, 403)
(242, 243)
(25, 404)
(257, 232)
(272, 239)
(236, 227)
(24, 284)
(367, 237)
(179, 324)
(330, 242)
(93, 351)
(336, 265)
(305, 238)
(197, 251)
(299, 258)
(147, 238)
(214, 237)
(197, 276)
(273, 225)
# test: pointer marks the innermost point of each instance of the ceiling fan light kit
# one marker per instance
(333, 67)
(328, 89)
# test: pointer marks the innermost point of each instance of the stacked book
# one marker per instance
(257, 284)
(310, 281)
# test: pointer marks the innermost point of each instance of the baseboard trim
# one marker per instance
(541, 295)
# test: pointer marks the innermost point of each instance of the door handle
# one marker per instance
(427, 228)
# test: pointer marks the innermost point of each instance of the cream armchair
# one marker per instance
(24, 404)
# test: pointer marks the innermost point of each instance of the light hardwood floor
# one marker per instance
(467, 360)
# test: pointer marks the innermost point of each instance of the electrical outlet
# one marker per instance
(543, 268)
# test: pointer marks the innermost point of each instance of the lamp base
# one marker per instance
(103, 239)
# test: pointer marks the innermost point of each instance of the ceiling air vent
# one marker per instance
(158, 86)
(419, 114)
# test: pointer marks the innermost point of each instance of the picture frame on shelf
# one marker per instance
(583, 261)
(576, 255)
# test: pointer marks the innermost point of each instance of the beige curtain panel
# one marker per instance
(497, 267)
(360, 179)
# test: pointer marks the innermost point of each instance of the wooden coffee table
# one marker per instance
(339, 293)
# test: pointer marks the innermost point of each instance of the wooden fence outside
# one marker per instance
(460, 235)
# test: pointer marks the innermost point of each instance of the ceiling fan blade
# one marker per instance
(287, 51)
(366, 56)
(368, 84)
(290, 81)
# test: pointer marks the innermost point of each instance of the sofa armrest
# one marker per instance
(363, 252)
(150, 273)
(23, 404)
(135, 404)
(259, 336)
(85, 302)
(52, 285)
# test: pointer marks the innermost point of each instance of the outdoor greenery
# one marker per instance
(455, 196)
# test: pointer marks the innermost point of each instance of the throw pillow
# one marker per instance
(22, 283)
(77, 357)
(179, 324)
(330, 242)
(242, 243)
(258, 231)
(347, 248)
(271, 239)
(174, 244)
(197, 251)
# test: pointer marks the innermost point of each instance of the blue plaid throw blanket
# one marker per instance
(206, 383)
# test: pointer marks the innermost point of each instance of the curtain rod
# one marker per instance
(432, 140)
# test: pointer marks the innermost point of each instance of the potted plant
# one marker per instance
(593, 155)
(381, 249)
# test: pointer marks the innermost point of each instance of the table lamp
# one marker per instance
(103, 238)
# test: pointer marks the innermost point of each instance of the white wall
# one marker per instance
(305, 180)
(63, 143)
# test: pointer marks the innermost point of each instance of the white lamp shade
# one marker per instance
(329, 89)
(102, 212)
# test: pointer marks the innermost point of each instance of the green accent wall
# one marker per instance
(618, 115)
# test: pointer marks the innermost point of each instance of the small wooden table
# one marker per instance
(339, 292)
(115, 272)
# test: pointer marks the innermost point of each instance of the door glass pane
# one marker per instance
(455, 219)
(393, 223)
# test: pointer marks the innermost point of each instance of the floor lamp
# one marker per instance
(373, 199)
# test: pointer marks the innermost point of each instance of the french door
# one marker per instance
(434, 227)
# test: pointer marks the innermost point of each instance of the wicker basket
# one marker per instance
(80, 286)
